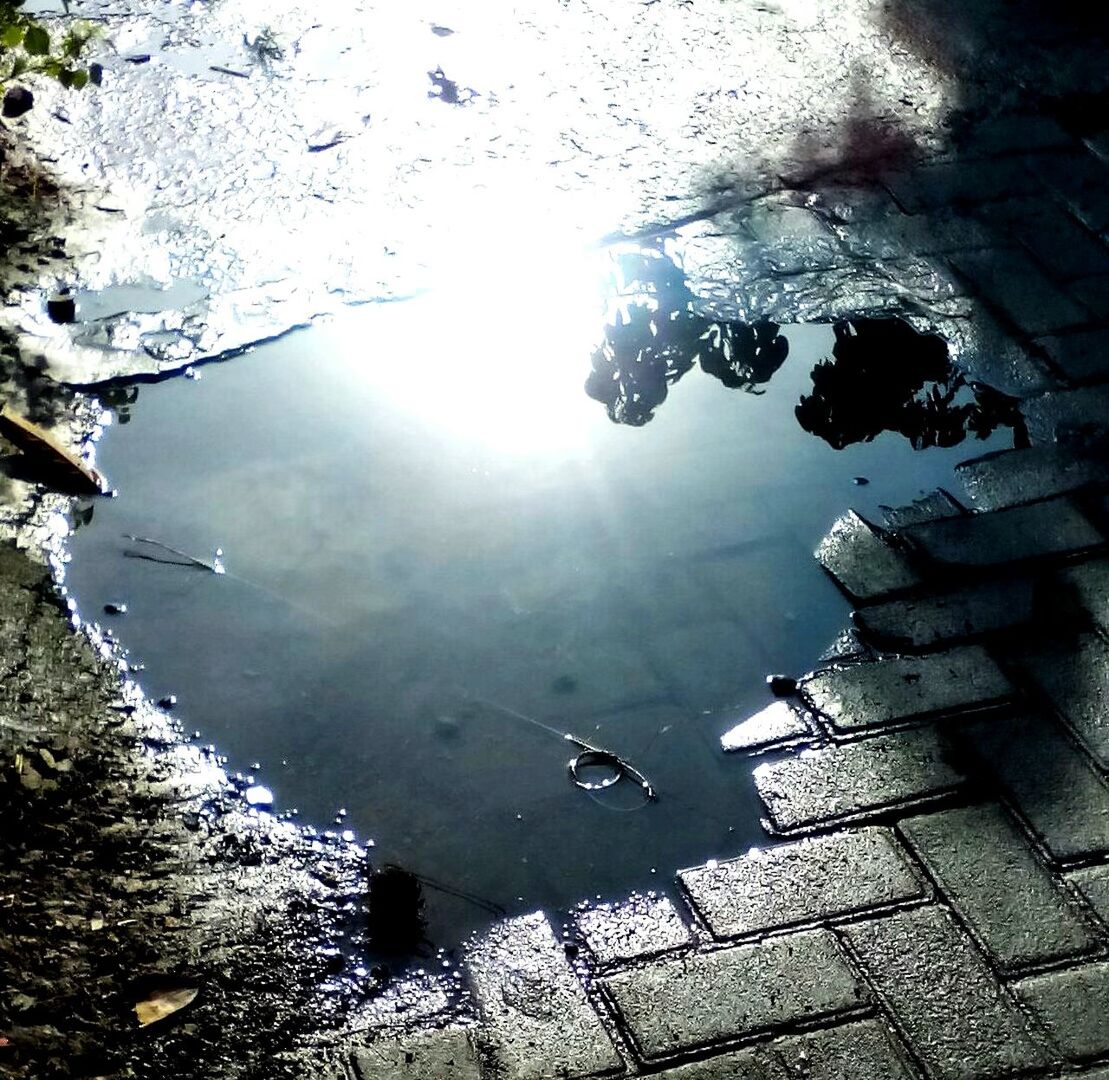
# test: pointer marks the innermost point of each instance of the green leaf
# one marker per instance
(36, 41)
(12, 36)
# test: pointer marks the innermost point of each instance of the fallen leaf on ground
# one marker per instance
(162, 1003)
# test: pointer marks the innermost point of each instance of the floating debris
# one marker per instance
(115, 609)
(860, 481)
(183, 558)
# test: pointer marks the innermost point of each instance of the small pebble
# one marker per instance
(115, 609)
(781, 685)
(167, 702)
(860, 481)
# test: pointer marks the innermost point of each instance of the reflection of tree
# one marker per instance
(887, 377)
(655, 337)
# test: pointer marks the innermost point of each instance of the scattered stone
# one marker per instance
(1023, 532)
(536, 1019)
(675, 1005)
(1074, 674)
(954, 1014)
(854, 779)
(863, 560)
(641, 926)
(873, 692)
(949, 616)
(1074, 1007)
(17, 101)
(777, 723)
(809, 880)
(996, 883)
(1054, 787)
(781, 686)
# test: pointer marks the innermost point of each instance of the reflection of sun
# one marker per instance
(497, 350)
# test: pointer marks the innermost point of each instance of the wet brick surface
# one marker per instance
(984, 864)
(642, 926)
(863, 561)
(1074, 1007)
(672, 1005)
(802, 881)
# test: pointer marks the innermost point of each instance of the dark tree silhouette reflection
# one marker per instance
(654, 337)
(882, 376)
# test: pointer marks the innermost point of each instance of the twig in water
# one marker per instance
(215, 566)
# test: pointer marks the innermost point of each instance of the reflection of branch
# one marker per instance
(184, 558)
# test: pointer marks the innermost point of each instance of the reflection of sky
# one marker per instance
(586, 119)
(422, 513)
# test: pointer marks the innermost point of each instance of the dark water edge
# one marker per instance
(428, 542)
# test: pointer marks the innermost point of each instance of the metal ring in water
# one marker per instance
(597, 757)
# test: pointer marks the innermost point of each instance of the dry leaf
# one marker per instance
(162, 1003)
(41, 447)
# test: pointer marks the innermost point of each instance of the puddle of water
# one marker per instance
(441, 553)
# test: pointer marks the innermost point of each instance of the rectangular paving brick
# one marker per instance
(954, 1014)
(951, 616)
(1074, 674)
(936, 504)
(1083, 356)
(821, 878)
(866, 694)
(1022, 532)
(1080, 181)
(865, 1050)
(1074, 1007)
(1011, 281)
(423, 1055)
(536, 1021)
(863, 560)
(1093, 883)
(640, 926)
(1011, 477)
(1090, 584)
(778, 722)
(836, 782)
(1053, 785)
(985, 866)
(675, 1005)
(948, 182)
(756, 1064)
(1065, 415)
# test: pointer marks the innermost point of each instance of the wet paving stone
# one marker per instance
(1074, 674)
(676, 1005)
(1082, 356)
(1023, 532)
(809, 880)
(1074, 1007)
(1060, 244)
(863, 560)
(1079, 180)
(946, 617)
(536, 1019)
(947, 182)
(1053, 785)
(1090, 584)
(1093, 883)
(748, 1064)
(866, 1050)
(871, 693)
(1070, 417)
(424, 1055)
(994, 880)
(641, 926)
(855, 779)
(779, 722)
(1011, 477)
(953, 1012)
(936, 504)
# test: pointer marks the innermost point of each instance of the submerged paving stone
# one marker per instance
(1021, 532)
(870, 693)
(1093, 883)
(936, 504)
(954, 1013)
(778, 722)
(1090, 584)
(423, 1055)
(1082, 356)
(1011, 477)
(804, 881)
(640, 926)
(863, 560)
(984, 865)
(1053, 785)
(1074, 1007)
(675, 1005)
(947, 617)
(1010, 280)
(537, 1022)
(1079, 180)
(1074, 674)
(944, 183)
(854, 779)
(866, 1050)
